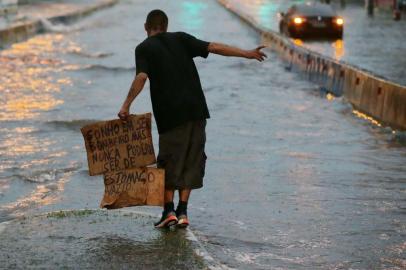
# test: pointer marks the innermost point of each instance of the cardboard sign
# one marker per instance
(142, 186)
(116, 145)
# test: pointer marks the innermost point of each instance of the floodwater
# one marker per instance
(294, 180)
(95, 239)
(376, 44)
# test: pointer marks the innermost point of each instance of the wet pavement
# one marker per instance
(95, 240)
(294, 179)
(376, 44)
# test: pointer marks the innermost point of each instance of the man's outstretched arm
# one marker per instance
(226, 50)
(136, 88)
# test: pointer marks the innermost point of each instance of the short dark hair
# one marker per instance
(157, 19)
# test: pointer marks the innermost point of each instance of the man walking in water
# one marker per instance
(179, 106)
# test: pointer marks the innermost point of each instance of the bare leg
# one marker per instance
(184, 194)
(168, 195)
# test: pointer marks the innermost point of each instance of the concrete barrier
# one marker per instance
(394, 105)
(73, 16)
(19, 32)
(377, 97)
(22, 31)
(374, 98)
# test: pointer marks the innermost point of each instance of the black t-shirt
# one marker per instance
(176, 92)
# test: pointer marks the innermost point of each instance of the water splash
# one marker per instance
(48, 26)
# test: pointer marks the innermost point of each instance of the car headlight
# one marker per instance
(339, 21)
(298, 20)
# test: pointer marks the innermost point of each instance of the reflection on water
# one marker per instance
(26, 158)
(366, 117)
(30, 86)
(265, 9)
(27, 86)
(330, 97)
(23, 145)
(339, 49)
(44, 194)
(298, 42)
(338, 46)
(191, 15)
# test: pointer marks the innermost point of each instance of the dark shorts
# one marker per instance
(181, 154)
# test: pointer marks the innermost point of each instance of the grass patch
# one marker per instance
(72, 213)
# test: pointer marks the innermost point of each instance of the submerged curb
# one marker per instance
(382, 100)
(200, 250)
(100, 239)
(22, 31)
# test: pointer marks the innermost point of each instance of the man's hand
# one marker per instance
(256, 54)
(124, 113)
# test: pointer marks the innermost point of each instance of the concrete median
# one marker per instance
(23, 30)
(395, 105)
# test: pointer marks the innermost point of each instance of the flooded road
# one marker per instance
(294, 180)
(376, 44)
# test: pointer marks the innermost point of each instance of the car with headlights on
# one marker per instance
(311, 19)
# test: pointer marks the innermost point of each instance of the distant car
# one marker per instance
(311, 20)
